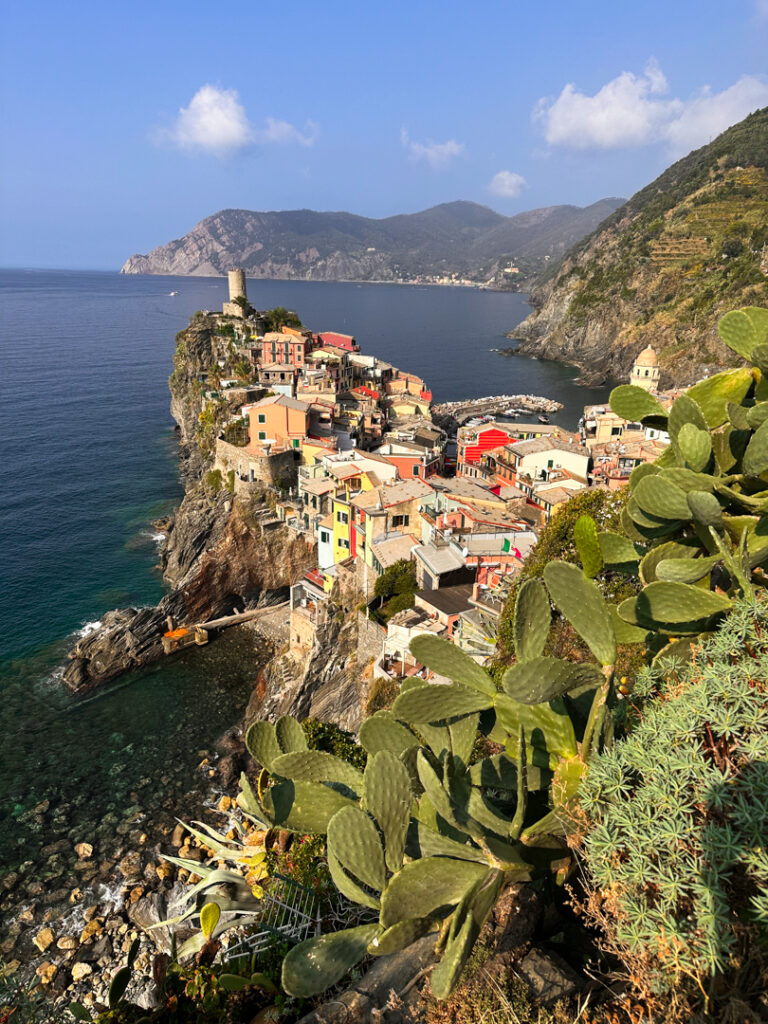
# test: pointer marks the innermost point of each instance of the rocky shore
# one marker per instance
(71, 915)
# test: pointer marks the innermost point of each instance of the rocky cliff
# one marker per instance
(663, 268)
(217, 556)
(459, 238)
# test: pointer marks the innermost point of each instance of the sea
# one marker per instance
(90, 462)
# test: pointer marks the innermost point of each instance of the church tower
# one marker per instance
(645, 372)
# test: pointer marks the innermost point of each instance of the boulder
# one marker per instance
(549, 977)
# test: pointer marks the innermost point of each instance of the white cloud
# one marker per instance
(629, 111)
(216, 122)
(622, 113)
(507, 184)
(283, 132)
(437, 154)
(707, 114)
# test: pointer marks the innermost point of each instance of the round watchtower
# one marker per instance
(236, 284)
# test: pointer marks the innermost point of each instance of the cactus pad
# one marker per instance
(383, 732)
(317, 766)
(261, 741)
(354, 841)
(677, 602)
(542, 679)
(706, 508)
(633, 403)
(434, 703)
(446, 659)
(317, 964)
(617, 550)
(695, 446)
(661, 498)
(755, 459)
(426, 887)
(580, 601)
(303, 806)
(588, 546)
(290, 735)
(714, 394)
(387, 794)
(532, 620)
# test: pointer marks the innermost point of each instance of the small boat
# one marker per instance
(173, 293)
(543, 418)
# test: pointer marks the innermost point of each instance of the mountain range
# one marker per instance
(461, 240)
(663, 267)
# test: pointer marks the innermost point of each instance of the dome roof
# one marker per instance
(647, 357)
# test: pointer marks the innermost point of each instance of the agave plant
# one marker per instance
(424, 837)
(695, 527)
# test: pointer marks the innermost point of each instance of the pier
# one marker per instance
(470, 407)
(176, 638)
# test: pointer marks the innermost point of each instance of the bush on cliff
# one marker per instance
(678, 819)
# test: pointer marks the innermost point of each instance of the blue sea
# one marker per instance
(90, 461)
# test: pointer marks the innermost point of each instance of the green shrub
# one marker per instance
(213, 480)
(333, 740)
(676, 848)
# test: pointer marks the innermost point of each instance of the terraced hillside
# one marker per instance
(664, 266)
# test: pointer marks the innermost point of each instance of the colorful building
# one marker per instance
(279, 420)
(474, 441)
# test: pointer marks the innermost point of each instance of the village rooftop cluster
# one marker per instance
(360, 469)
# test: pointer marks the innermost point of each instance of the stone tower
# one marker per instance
(236, 279)
(645, 372)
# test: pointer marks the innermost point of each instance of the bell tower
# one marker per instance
(645, 372)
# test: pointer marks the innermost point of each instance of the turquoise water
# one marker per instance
(90, 462)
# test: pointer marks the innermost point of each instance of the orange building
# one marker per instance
(278, 420)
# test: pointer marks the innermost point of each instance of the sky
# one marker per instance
(126, 124)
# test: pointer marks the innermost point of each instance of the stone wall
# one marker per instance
(370, 639)
(278, 468)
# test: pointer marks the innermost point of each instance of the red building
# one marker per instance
(331, 338)
(473, 442)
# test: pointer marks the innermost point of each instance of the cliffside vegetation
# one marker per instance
(659, 270)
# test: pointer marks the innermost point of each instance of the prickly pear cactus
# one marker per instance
(698, 517)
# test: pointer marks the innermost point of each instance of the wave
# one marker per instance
(87, 628)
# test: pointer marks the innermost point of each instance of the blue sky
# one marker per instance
(125, 124)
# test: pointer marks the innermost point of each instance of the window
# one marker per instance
(343, 543)
(262, 435)
(400, 520)
(295, 443)
(550, 463)
(415, 470)
(262, 417)
(324, 536)
(342, 517)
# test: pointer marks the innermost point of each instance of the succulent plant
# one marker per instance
(423, 836)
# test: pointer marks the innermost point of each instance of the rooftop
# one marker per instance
(283, 400)
(449, 600)
(546, 444)
(439, 559)
(394, 548)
